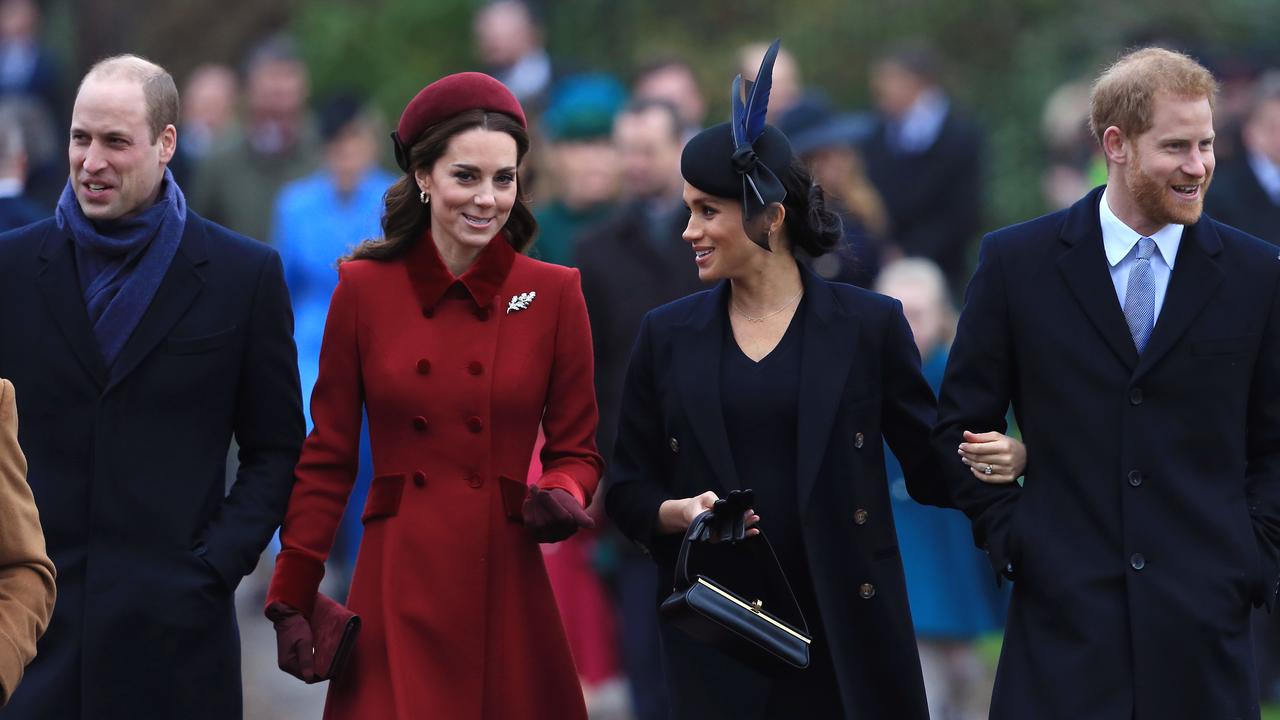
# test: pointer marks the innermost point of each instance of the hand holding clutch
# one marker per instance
(293, 642)
(553, 515)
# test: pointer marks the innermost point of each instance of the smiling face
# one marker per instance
(116, 166)
(1164, 172)
(472, 188)
(720, 245)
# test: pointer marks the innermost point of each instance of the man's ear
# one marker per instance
(1116, 145)
(168, 143)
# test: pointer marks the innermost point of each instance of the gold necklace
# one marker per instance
(766, 316)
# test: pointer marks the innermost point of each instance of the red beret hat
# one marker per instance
(446, 97)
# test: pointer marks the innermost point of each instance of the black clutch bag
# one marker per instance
(740, 627)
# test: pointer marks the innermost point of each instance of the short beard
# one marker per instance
(1152, 198)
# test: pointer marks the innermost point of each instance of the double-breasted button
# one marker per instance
(1137, 562)
(474, 367)
(1135, 478)
(420, 424)
(428, 312)
(1135, 396)
(482, 314)
(859, 517)
(475, 481)
(419, 479)
(866, 591)
(424, 366)
(674, 444)
(475, 424)
(858, 440)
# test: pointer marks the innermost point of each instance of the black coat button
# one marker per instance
(858, 440)
(1135, 396)
(1137, 562)
(419, 479)
(1135, 478)
(859, 517)
(866, 591)
(475, 480)
(474, 367)
(424, 366)
(475, 424)
(420, 424)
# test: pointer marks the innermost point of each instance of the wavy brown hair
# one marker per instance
(405, 217)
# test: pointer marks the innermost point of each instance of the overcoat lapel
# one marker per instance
(1196, 276)
(826, 358)
(1084, 267)
(697, 351)
(60, 287)
(179, 288)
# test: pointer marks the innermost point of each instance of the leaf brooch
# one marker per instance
(521, 301)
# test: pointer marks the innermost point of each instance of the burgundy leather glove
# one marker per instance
(294, 646)
(553, 515)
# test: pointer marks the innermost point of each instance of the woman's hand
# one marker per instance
(675, 516)
(992, 457)
(294, 651)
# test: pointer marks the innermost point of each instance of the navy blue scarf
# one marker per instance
(121, 262)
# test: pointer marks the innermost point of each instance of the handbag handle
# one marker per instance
(763, 550)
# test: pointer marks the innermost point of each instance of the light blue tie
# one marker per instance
(1140, 298)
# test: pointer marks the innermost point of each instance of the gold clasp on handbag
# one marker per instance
(757, 606)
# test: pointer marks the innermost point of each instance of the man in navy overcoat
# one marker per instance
(1139, 344)
(142, 339)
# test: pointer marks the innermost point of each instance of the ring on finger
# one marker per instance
(986, 469)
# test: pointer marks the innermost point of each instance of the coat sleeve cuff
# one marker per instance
(11, 666)
(556, 479)
(295, 581)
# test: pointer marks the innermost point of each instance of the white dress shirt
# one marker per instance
(1121, 245)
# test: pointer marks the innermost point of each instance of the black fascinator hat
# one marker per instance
(744, 158)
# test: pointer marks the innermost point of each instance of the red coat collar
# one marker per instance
(431, 279)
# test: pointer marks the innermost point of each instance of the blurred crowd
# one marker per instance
(262, 155)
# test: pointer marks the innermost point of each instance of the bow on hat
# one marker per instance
(760, 187)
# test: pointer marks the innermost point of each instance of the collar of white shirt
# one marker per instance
(1118, 239)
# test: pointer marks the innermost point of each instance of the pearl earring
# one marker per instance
(424, 197)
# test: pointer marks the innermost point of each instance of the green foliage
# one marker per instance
(1005, 56)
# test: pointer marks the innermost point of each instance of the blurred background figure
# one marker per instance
(926, 160)
(209, 101)
(827, 143)
(632, 263)
(30, 75)
(16, 209)
(318, 219)
(1246, 190)
(510, 45)
(581, 186)
(949, 586)
(277, 142)
(672, 79)
(1074, 164)
(787, 85)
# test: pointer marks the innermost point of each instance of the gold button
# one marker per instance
(859, 517)
(867, 591)
(859, 440)
(675, 445)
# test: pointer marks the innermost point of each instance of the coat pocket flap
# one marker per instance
(384, 497)
(513, 495)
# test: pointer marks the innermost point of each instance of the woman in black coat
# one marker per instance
(784, 383)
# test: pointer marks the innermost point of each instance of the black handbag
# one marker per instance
(740, 627)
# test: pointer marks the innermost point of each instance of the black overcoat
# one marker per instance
(128, 469)
(1150, 516)
(860, 384)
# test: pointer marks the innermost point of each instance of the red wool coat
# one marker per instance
(456, 376)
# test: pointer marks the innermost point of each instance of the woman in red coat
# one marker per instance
(458, 347)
